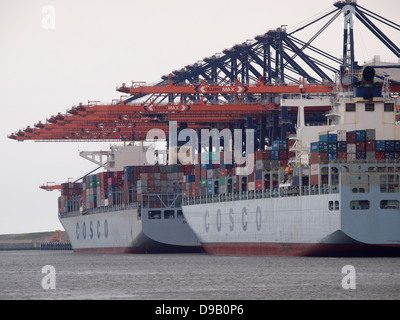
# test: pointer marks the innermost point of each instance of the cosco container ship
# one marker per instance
(127, 209)
(329, 190)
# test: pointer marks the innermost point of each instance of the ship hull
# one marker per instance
(290, 226)
(117, 232)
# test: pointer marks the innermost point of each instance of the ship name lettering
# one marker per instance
(98, 229)
(244, 223)
(91, 229)
(231, 226)
(258, 218)
(206, 223)
(219, 220)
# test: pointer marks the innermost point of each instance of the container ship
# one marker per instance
(127, 208)
(330, 190)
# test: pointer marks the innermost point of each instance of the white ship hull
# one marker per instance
(123, 232)
(307, 225)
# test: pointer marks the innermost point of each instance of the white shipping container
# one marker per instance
(370, 155)
(314, 169)
(351, 148)
(351, 156)
(341, 135)
(252, 186)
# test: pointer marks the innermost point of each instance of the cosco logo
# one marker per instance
(227, 221)
(91, 230)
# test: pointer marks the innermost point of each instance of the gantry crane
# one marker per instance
(209, 93)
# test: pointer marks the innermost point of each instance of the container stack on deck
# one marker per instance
(218, 176)
(123, 187)
(161, 179)
(213, 174)
(70, 197)
(353, 146)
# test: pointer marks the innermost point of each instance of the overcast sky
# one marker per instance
(97, 45)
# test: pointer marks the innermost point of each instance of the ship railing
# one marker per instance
(263, 194)
(102, 209)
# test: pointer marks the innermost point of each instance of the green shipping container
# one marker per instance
(222, 181)
(203, 183)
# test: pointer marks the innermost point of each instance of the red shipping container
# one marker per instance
(323, 157)
(222, 173)
(283, 163)
(259, 184)
(314, 180)
(341, 156)
(370, 145)
(251, 177)
(360, 146)
(380, 155)
(314, 158)
(283, 154)
(351, 137)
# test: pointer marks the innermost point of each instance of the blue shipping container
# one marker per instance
(332, 138)
(397, 146)
(361, 135)
(342, 146)
(389, 146)
(380, 145)
(316, 147)
(275, 145)
(282, 145)
(259, 174)
(275, 155)
(323, 137)
(332, 147)
(361, 155)
(332, 157)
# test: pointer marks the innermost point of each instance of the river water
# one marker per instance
(193, 276)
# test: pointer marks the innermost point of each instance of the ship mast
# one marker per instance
(348, 41)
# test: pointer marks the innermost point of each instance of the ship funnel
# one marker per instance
(366, 88)
(368, 76)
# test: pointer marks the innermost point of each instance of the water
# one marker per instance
(193, 276)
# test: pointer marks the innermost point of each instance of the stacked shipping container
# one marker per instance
(122, 187)
(351, 146)
(217, 175)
